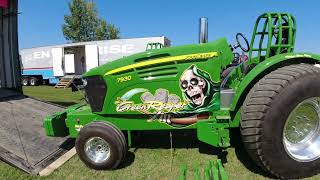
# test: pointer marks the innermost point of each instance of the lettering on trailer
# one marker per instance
(38, 55)
(116, 49)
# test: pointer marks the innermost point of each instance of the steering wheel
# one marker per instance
(245, 49)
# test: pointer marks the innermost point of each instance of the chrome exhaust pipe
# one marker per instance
(203, 30)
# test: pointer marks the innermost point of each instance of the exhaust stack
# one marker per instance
(203, 30)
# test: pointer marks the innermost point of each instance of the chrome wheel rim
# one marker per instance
(301, 133)
(97, 149)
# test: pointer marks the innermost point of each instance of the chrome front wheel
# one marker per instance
(97, 149)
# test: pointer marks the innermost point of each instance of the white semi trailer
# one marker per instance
(52, 63)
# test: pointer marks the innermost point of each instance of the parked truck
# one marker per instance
(49, 64)
(272, 97)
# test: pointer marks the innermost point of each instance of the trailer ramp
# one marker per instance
(67, 81)
(23, 142)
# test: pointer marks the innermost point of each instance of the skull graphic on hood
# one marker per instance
(193, 87)
(197, 87)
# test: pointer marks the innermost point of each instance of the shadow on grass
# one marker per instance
(127, 161)
(181, 139)
(243, 156)
(188, 139)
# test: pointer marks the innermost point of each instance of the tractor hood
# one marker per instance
(220, 45)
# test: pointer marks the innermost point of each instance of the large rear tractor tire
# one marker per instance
(101, 146)
(280, 122)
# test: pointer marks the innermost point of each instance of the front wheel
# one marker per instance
(280, 122)
(101, 146)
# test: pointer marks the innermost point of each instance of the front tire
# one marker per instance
(280, 122)
(101, 146)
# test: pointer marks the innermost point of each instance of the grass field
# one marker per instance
(150, 158)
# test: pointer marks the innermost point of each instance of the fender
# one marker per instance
(264, 67)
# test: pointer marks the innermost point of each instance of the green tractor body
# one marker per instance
(201, 86)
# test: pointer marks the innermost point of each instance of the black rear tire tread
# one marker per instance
(257, 104)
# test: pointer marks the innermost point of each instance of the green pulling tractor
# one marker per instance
(272, 95)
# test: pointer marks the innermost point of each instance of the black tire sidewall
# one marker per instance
(272, 131)
(110, 137)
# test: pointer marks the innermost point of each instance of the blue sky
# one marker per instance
(40, 20)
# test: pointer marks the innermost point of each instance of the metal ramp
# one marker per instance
(65, 81)
(23, 142)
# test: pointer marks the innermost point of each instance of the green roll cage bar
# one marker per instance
(273, 34)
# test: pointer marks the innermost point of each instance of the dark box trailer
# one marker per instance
(51, 63)
(9, 64)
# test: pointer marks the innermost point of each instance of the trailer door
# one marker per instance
(57, 57)
(92, 59)
(69, 63)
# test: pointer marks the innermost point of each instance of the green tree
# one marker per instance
(113, 32)
(107, 31)
(83, 23)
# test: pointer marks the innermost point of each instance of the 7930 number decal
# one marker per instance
(124, 79)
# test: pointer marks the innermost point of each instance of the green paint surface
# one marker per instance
(133, 79)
